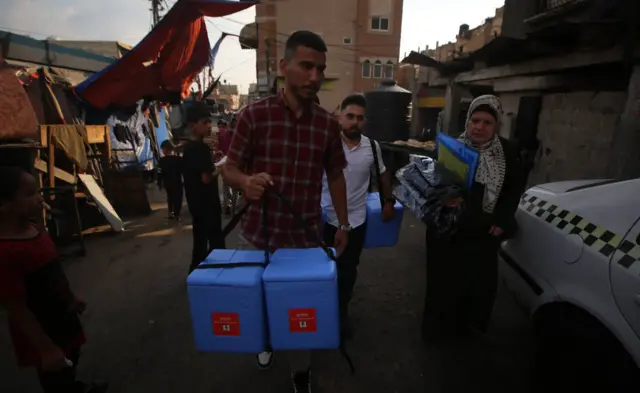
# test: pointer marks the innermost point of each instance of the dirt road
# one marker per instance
(140, 336)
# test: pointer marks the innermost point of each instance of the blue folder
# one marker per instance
(457, 157)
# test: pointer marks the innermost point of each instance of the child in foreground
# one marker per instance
(170, 177)
(43, 313)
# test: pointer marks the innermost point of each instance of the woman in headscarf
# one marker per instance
(462, 270)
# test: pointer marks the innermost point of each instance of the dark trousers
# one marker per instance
(207, 234)
(347, 263)
(174, 199)
(63, 380)
(462, 280)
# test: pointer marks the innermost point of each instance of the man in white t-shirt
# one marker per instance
(360, 167)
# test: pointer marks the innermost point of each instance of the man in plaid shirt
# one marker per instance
(286, 142)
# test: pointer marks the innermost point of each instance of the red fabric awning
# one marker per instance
(165, 62)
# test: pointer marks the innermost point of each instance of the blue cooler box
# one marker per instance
(227, 304)
(301, 289)
(381, 234)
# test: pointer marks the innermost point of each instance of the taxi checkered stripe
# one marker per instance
(598, 238)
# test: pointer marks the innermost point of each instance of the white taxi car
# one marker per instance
(575, 266)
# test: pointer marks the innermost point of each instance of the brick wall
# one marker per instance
(267, 51)
(576, 133)
(333, 20)
(372, 46)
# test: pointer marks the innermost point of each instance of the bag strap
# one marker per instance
(303, 224)
(230, 227)
(376, 163)
(233, 222)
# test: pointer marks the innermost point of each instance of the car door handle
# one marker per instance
(638, 300)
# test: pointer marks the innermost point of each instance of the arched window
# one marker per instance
(377, 69)
(388, 70)
(366, 69)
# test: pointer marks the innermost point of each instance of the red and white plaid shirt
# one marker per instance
(295, 152)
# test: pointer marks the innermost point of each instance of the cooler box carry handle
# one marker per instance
(229, 228)
(230, 265)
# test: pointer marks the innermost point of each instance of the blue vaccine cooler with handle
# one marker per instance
(380, 233)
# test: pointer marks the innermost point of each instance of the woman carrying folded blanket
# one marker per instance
(462, 268)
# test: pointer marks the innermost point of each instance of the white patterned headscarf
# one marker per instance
(491, 164)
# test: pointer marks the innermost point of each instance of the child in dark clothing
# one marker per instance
(42, 310)
(201, 186)
(170, 176)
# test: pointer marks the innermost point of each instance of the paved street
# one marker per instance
(140, 332)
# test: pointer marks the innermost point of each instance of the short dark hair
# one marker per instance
(10, 178)
(354, 99)
(196, 112)
(305, 38)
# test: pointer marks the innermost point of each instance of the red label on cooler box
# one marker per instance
(302, 320)
(225, 323)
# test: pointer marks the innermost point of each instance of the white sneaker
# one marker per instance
(265, 359)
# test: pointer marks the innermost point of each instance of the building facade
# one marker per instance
(470, 40)
(362, 36)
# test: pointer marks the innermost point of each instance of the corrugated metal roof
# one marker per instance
(73, 77)
(27, 49)
(449, 68)
(113, 49)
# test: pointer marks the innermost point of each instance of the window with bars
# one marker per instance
(548, 5)
(379, 23)
(366, 69)
(377, 69)
(388, 70)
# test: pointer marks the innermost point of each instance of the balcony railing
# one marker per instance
(552, 5)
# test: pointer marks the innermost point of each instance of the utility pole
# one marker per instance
(415, 111)
(268, 55)
(155, 11)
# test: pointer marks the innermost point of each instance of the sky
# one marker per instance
(424, 22)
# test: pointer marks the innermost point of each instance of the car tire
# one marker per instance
(575, 352)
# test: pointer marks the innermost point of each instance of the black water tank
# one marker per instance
(388, 112)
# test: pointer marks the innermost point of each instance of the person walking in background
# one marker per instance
(359, 152)
(170, 177)
(201, 186)
(43, 312)
(286, 142)
(462, 270)
(222, 126)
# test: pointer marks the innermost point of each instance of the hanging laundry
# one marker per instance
(120, 132)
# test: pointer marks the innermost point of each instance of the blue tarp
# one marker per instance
(143, 158)
(162, 132)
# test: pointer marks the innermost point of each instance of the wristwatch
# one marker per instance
(345, 228)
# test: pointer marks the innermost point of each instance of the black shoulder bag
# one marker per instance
(376, 164)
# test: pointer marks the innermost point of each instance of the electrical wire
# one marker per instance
(286, 35)
(236, 65)
(334, 58)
